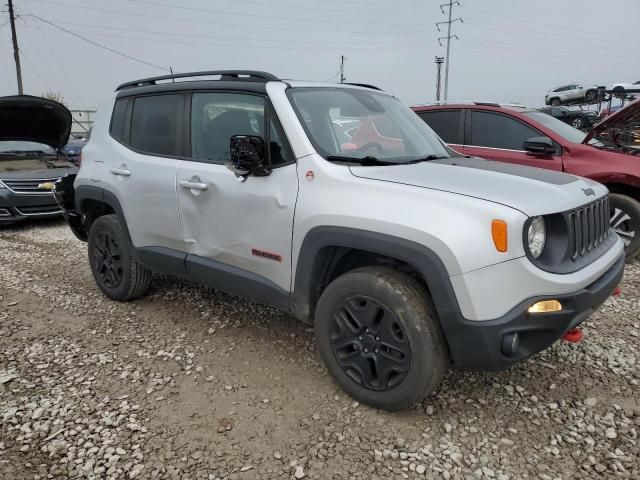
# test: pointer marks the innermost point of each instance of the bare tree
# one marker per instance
(55, 96)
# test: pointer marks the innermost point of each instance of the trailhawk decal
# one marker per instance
(268, 255)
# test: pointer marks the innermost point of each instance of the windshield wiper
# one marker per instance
(366, 161)
(426, 159)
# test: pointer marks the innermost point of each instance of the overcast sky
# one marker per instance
(508, 50)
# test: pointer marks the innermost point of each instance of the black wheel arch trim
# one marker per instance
(99, 194)
(423, 259)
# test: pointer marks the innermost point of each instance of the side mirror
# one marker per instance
(247, 156)
(539, 146)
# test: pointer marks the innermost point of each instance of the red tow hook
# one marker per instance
(574, 335)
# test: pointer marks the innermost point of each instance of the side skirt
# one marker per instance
(211, 273)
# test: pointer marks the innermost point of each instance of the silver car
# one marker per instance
(571, 92)
(405, 256)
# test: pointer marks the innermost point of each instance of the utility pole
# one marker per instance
(342, 79)
(450, 21)
(16, 52)
(439, 61)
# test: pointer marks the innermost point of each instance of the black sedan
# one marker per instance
(579, 119)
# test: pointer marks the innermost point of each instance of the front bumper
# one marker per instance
(487, 345)
(15, 207)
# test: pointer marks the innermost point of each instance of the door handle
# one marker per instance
(193, 185)
(122, 172)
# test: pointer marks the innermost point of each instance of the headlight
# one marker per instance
(537, 236)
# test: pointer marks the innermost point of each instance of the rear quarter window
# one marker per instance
(446, 123)
(118, 119)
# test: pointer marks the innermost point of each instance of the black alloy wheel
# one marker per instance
(107, 259)
(370, 344)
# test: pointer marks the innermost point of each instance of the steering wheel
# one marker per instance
(371, 148)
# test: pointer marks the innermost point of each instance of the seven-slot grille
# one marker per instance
(28, 185)
(588, 227)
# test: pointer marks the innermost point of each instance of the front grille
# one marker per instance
(39, 210)
(588, 227)
(28, 185)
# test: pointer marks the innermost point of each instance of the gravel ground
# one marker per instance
(191, 383)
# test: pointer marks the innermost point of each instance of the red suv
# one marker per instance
(609, 153)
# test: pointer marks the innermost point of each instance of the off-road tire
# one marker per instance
(411, 309)
(631, 207)
(135, 279)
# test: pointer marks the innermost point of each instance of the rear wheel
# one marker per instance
(380, 339)
(625, 221)
(115, 269)
(591, 95)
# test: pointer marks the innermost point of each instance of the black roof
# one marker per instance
(225, 75)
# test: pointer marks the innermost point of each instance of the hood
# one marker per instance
(623, 119)
(34, 119)
(533, 191)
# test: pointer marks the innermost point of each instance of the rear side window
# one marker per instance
(155, 124)
(446, 123)
(499, 131)
(118, 119)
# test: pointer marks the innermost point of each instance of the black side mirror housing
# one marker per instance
(248, 156)
(539, 146)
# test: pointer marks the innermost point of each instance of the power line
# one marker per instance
(58, 64)
(260, 15)
(530, 51)
(528, 21)
(323, 30)
(96, 43)
(449, 36)
(223, 37)
(260, 45)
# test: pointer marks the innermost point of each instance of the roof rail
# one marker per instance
(226, 75)
(365, 85)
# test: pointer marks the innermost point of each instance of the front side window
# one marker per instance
(564, 130)
(155, 124)
(217, 116)
(499, 131)
(353, 123)
(446, 123)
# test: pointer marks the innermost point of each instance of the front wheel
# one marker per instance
(591, 95)
(625, 221)
(555, 102)
(380, 339)
(115, 269)
(577, 122)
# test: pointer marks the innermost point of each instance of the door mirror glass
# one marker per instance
(247, 156)
(539, 146)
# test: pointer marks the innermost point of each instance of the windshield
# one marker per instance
(344, 123)
(31, 147)
(564, 130)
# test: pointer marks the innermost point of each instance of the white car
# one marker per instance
(570, 93)
(624, 86)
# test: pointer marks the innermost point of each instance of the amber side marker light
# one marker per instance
(546, 306)
(499, 234)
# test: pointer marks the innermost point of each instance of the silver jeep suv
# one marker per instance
(337, 204)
